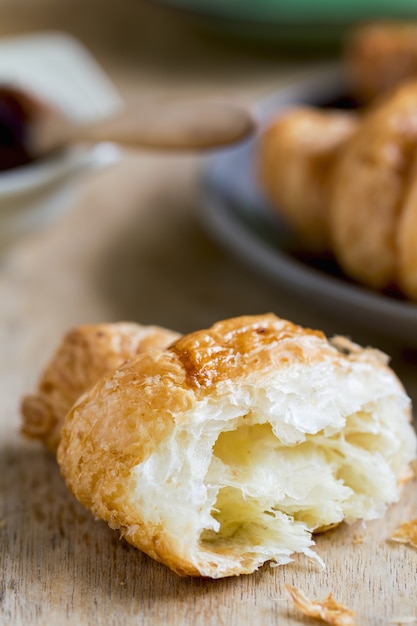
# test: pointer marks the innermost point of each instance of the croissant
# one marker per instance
(298, 153)
(372, 210)
(380, 56)
(85, 354)
(229, 448)
(369, 207)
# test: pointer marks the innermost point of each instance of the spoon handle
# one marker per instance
(162, 126)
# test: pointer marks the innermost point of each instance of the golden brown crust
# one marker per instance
(297, 154)
(85, 354)
(210, 356)
(380, 56)
(151, 385)
(369, 186)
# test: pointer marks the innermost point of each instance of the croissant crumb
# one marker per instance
(406, 533)
(328, 610)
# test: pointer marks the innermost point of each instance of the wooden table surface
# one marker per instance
(132, 248)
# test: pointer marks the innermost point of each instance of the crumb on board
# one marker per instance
(407, 475)
(403, 620)
(327, 610)
(358, 539)
(406, 533)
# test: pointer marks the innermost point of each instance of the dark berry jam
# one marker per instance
(16, 113)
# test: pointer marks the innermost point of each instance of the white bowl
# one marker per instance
(56, 68)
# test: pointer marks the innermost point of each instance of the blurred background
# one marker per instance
(131, 246)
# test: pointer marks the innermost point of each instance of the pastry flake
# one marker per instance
(406, 533)
(328, 610)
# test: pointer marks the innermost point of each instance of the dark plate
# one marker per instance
(238, 216)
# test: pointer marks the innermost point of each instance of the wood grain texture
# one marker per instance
(132, 248)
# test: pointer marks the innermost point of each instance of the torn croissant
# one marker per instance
(85, 354)
(229, 448)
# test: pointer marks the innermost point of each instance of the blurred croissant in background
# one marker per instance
(346, 183)
(298, 155)
(380, 56)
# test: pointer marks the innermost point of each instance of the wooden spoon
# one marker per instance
(31, 128)
(163, 126)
